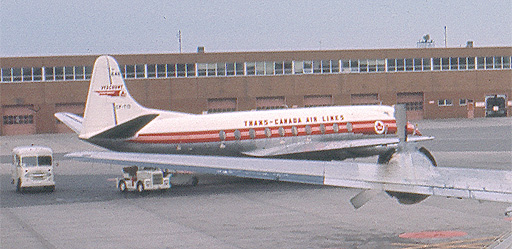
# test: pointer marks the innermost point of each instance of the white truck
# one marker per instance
(32, 167)
(142, 179)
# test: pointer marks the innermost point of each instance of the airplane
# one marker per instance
(305, 145)
(114, 120)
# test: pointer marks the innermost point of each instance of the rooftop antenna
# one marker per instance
(445, 44)
(179, 39)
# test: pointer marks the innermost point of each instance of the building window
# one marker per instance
(437, 64)
(38, 73)
(161, 71)
(140, 71)
(481, 63)
(426, 64)
(409, 64)
(498, 62)
(221, 69)
(250, 68)
(211, 69)
(171, 70)
(506, 62)
(363, 66)
(317, 67)
(27, 73)
(279, 67)
(326, 66)
(463, 63)
(191, 70)
(463, 102)
(151, 70)
(308, 67)
(230, 69)
(391, 65)
(239, 68)
(48, 73)
(400, 65)
(180, 70)
(335, 66)
(454, 63)
(260, 68)
(201, 69)
(445, 62)
(381, 65)
(88, 72)
(288, 67)
(489, 62)
(445, 102)
(18, 119)
(471, 63)
(298, 67)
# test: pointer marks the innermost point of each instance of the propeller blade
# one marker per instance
(363, 197)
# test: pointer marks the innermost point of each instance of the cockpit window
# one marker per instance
(29, 161)
(44, 161)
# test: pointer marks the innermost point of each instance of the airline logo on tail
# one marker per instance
(112, 91)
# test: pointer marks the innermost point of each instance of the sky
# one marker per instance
(72, 27)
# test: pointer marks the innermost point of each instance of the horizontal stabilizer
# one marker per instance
(71, 120)
(127, 129)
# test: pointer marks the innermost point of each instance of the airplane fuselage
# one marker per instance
(233, 134)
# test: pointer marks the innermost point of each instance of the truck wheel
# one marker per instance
(122, 186)
(50, 188)
(195, 181)
(18, 186)
(140, 187)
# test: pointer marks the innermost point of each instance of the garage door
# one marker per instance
(75, 108)
(222, 105)
(413, 103)
(317, 100)
(364, 99)
(18, 120)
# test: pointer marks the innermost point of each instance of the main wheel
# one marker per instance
(140, 187)
(122, 186)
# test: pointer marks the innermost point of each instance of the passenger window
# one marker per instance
(335, 128)
(238, 135)
(322, 128)
(222, 135)
(349, 127)
(281, 131)
(295, 131)
(268, 132)
(308, 130)
(252, 133)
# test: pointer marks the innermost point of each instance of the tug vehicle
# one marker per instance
(143, 179)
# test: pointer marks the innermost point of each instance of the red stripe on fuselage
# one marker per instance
(363, 127)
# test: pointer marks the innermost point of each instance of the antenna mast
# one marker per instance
(445, 44)
(179, 39)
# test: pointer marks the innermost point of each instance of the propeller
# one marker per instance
(405, 163)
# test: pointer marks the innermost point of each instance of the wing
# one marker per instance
(73, 121)
(479, 184)
(313, 146)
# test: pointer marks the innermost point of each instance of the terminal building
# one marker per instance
(432, 82)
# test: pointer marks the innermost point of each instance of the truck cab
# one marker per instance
(32, 167)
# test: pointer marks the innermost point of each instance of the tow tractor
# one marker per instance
(144, 178)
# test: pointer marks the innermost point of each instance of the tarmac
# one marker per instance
(87, 211)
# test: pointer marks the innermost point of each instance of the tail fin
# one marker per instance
(108, 102)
